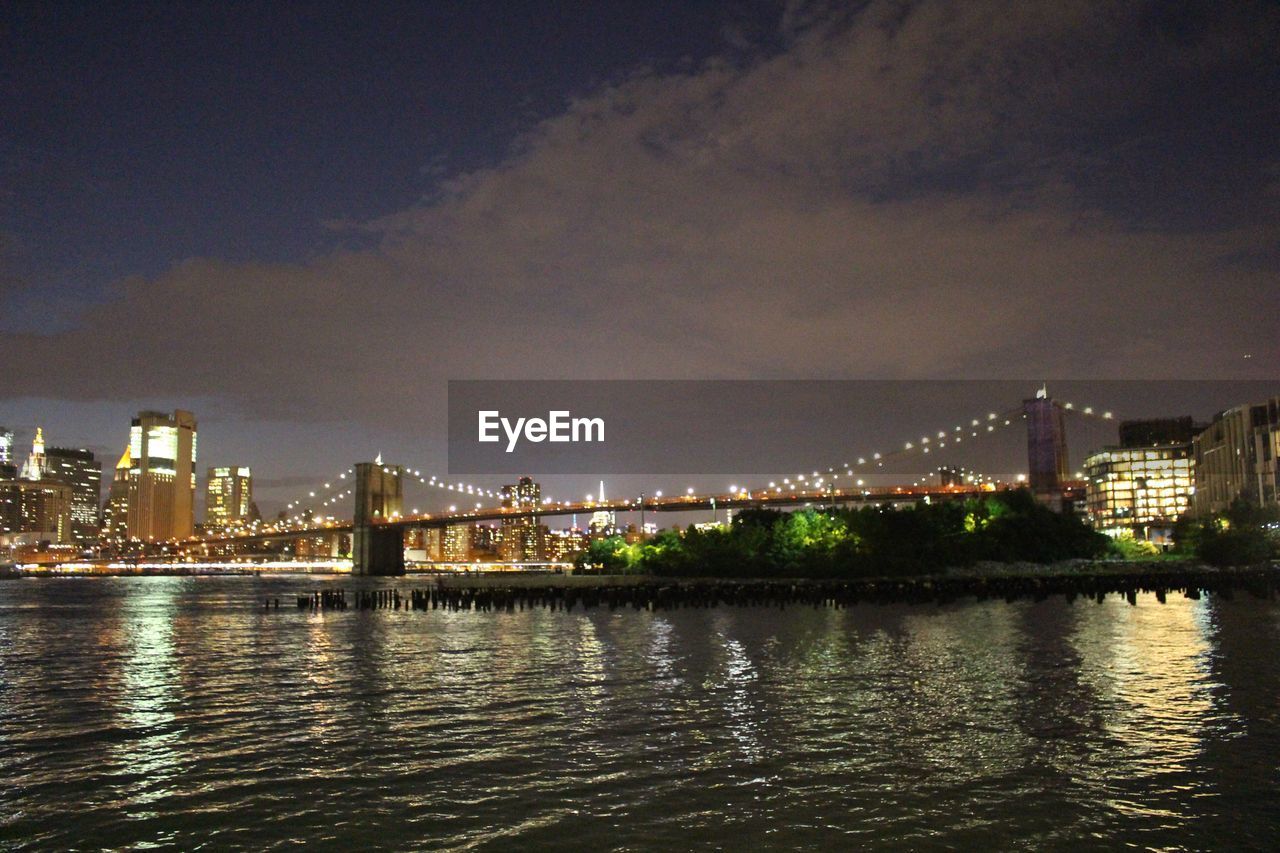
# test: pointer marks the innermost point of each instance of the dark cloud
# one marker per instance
(909, 190)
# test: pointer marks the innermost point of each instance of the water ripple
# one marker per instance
(173, 713)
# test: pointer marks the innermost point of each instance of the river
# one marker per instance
(175, 713)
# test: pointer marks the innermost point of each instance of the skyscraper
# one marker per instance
(520, 537)
(115, 515)
(33, 468)
(35, 506)
(6, 446)
(79, 469)
(162, 479)
(45, 510)
(228, 496)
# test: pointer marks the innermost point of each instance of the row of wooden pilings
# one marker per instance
(660, 594)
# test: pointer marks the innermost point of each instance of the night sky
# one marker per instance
(300, 220)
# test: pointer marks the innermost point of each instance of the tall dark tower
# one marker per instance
(376, 549)
(1046, 445)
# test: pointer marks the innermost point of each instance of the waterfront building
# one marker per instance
(563, 545)
(36, 504)
(433, 543)
(80, 469)
(228, 497)
(422, 544)
(1139, 492)
(520, 539)
(10, 501)
(455, 545)
(162, 479)
(34, 511)
(1236, 457)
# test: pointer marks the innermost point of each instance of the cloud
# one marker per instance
(900, 192)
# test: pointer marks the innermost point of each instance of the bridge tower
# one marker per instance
(376, 549)
(1046, 445)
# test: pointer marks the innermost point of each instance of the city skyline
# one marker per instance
(639, 424)
(996, 457)
(664, 195)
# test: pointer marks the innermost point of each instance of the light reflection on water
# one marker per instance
(175, 712)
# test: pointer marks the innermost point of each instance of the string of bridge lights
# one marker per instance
(939, 440)
(340, 487)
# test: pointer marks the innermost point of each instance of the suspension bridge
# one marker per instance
(378, 521)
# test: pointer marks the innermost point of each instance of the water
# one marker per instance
(174, 713)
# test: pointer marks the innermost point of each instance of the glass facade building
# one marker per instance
(228, 496)
(162, 479)
(1139, 491)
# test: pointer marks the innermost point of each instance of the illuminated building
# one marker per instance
(6, 446)
(1236, 457)
(37, 505)
(423, 544)
(520, 538)
(563, 545)
(455, 543)
(34, 467)
(162, 479)
(80, 470)
(46, 510)
(10, 500)
(34, 511)
(603, 522)
(1144, 485)
(228, 497)
(115, 513)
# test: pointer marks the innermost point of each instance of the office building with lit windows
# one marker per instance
(38, 504)
(228, 497)
(1141, 487)
(162, 479)
(521, 539)
(1236, 457)
(455, 543)
(115, 513)
(81, 470)
(6, 446)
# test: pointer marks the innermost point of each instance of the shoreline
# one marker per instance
(1089, 582)
(987, 570)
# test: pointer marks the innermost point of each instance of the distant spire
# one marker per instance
(602, 491)
(377, 460)
(35, 467)
(1043, 393)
